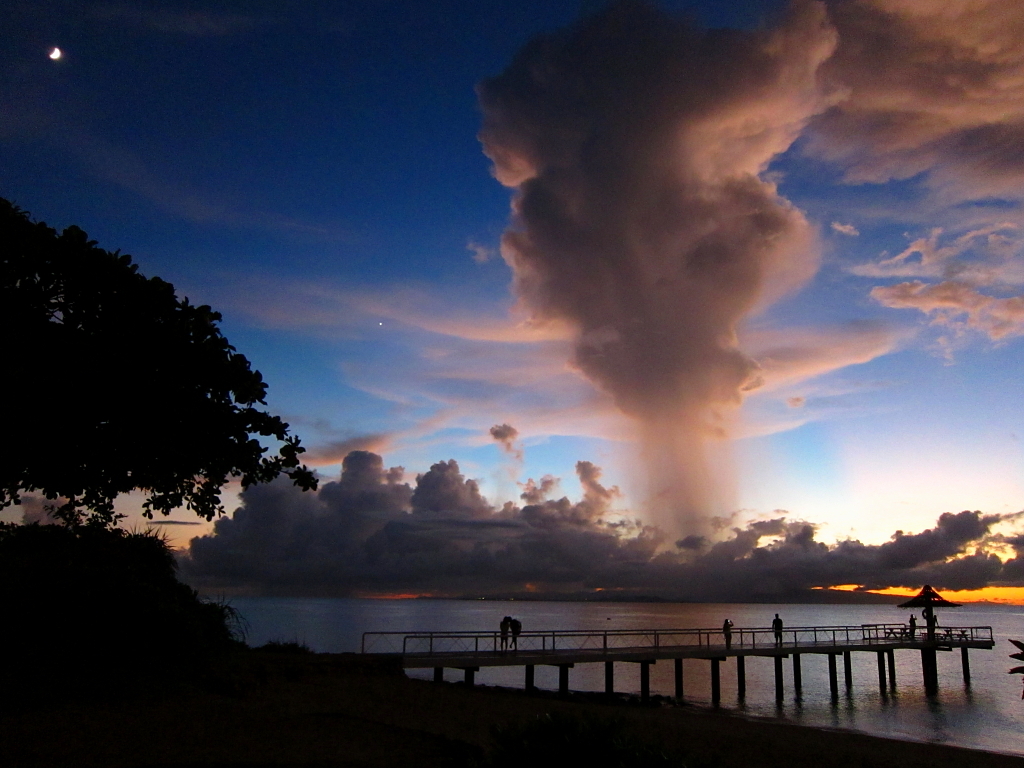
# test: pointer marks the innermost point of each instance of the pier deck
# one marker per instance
(469, 651)
(421, 650)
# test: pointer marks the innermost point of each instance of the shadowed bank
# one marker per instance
(332, 710)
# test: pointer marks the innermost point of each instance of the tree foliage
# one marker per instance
(92, 605)
(116, 384)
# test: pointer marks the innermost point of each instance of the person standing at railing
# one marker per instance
(913, 626)
(727, 633)
(505, 624)
(517, 627)
(777, 629)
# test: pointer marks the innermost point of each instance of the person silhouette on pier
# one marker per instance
(913, 626)
(505, 625)
(727, 633)
(777, 629)
(517, 627)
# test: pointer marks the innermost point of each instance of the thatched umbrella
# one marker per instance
(927, 599)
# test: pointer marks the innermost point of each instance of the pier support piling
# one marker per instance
(798, 682)
(930, 671)
(891, 657)
(471, 675)
(847, 670)
(741, 677)
(716, 682)
(609, 677)
(966, 663)
(645, 680)
(833, 678)
(529, 678)
(438, 674)
(779, 689)
(563, 679)
(678, 675)
(881, 671)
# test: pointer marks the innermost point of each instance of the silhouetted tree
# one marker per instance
(116, 384)
(93, 607)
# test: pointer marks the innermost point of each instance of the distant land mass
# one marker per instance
(810, 596)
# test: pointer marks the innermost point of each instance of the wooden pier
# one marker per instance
(469, 651)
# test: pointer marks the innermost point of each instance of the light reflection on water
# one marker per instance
(988, 715)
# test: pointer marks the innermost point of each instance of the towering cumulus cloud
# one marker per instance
(635, 144)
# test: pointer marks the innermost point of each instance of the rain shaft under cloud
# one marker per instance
(370, 532)
(635, 144)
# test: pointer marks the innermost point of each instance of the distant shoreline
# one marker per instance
(815, 597)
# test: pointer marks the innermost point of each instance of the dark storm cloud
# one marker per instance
(946, 539)
(444, 492)
(366, 486)
(370, 532)
(534, 492)
(506, 435)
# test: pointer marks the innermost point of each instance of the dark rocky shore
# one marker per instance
(339, 710)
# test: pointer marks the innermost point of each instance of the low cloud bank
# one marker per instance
(371, 532)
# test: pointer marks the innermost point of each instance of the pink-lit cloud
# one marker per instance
(481, 253)
(988, 255)
(792, 355)
(927, 86)
(958, 306)
(332, 452)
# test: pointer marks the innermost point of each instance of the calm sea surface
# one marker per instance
(987, 715)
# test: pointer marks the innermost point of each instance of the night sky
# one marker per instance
(750, 300)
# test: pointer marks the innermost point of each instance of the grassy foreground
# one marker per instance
(338, 710)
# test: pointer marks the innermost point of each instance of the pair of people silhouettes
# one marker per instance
(513, 626)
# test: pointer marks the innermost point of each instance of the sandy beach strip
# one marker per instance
(336, 710)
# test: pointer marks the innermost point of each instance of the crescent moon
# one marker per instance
(56, 53)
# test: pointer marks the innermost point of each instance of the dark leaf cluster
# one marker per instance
(94, 607)
(116, 384)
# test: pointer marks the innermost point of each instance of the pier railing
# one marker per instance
(658, 640)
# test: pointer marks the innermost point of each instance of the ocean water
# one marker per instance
(988, 714)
